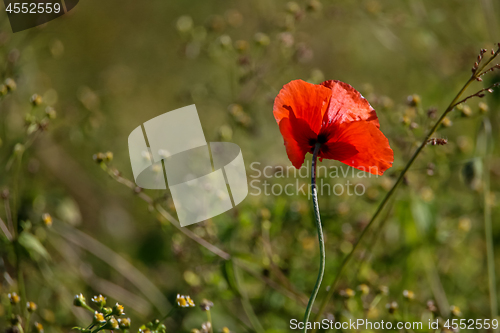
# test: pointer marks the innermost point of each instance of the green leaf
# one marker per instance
(33, 246)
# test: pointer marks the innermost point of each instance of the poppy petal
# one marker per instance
(373, 153)
(307, 101)
(297, 135)
(347, 104)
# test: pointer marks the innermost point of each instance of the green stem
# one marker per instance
(317, 218)
(398, 182)
(247, 306)
(172, 310)
(209, 317)
(490, 256)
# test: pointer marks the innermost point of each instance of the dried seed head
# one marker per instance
(437, 141)
(432, 112)
(206, 305)
(431, 306)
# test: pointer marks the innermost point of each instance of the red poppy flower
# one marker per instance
(335, 115)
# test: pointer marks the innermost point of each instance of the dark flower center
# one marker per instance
(322, 138)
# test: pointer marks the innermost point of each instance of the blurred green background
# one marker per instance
(108, 66)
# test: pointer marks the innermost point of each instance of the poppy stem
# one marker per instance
(476, 74)
(317, 218)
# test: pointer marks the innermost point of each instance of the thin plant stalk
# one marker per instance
(490, 256)
(475, 75)
(317, 219)
(247, 306)
(209, 318)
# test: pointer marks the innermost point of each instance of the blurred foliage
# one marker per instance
(80, 84)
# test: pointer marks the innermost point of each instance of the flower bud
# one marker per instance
(11, 84)
(100, 300)
(50, 112)
(124, 323)
(364, 289)
(447, 122)
(413, 100)
(293, 7)
(112, 324)
(184, 24)
(391, 307)
(47, 219)
(347, 293)
(31, 307)
(384, 290)
(483, 107)
(241, 45)
(262, 39)
(16, 320)
(79, 300)
(38, 327)
(314, 5)
(3, 89)
(98, 319)
(118, 310)
(36, 99)
(408, 294)
(466, 111)
(455, 310)
(14, 298)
